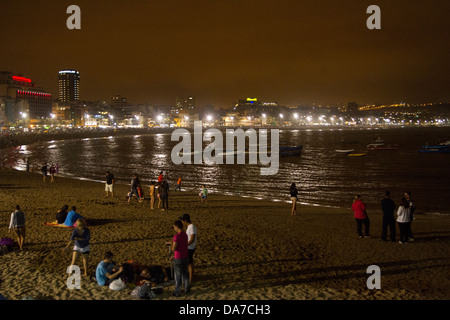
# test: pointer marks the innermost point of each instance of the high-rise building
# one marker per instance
(69, 86)
(23, 99)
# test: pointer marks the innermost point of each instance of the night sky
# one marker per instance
(294, 52)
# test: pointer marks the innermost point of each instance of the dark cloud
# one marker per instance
(295, 52)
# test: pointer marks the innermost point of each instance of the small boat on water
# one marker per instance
(291, 151)
(345, 151)
(356, 154)
(382, 147)
(443, 147)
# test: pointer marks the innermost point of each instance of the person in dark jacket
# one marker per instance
(62, 214)
(388, 208)
(164, 195)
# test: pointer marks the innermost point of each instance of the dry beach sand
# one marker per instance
(247, 249)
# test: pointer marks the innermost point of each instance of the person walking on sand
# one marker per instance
(403, 220)
(180, 249)
(44, 172)
(361, 217)
(152, 194)
(388, 208)
(80, 239)
(134, 185)
(191, 231)
(178, 187)
(106, 271)
(17, 224)
(294, 193)
(158, 193)
(204, 194)
(109, 184)
(412, 208)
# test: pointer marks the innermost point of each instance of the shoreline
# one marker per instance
(248, 249)
(15, 140)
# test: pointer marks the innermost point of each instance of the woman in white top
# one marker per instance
(403, 219)
(17, 224)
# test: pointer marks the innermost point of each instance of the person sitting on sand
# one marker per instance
(17, 223)
(72, 217)
(154, 275)
(62, 214)
(80, 238)
(106, 271)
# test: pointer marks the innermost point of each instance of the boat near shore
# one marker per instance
(345, 151)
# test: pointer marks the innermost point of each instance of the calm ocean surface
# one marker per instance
(323, 177)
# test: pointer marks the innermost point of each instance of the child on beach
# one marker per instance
(17, 223)
(204, 194)
(152, 194)
(80, 238)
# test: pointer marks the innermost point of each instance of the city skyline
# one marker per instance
(291, 52)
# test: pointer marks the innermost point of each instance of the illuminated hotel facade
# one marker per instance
(22, 100)
(69, 86)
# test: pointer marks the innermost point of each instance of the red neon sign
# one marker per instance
(21, 79)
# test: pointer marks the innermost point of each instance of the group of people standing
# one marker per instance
(405, 216)
(53, 170)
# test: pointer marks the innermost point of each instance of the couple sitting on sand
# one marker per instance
(67, 218)
(130, 272)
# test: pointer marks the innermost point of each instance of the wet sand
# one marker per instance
(247, 249)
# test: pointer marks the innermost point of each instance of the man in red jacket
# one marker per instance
(360, 214)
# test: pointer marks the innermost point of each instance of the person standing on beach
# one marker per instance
(412, 208)
(191, 231)
(164, 195)
(80, 238)
(403, 220)
(152, 194)
(109, 185)
(106, 271)
(52, 173)
(388, 208)
(166, 179)
(17, 223)
(134, 185)
(361, 217)
(178, 184)
(160, 177)
(204, 194)
(294, 193)
(44, 172)
(180, 264)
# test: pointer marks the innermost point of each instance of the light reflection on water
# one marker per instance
(323, 176)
